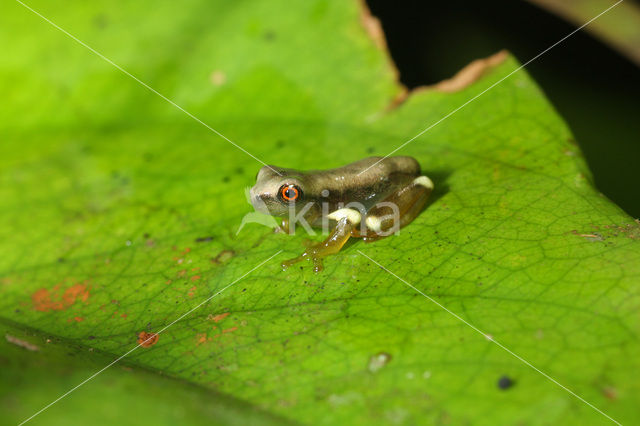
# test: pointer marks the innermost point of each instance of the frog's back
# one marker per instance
(381, 166)
(364, 180)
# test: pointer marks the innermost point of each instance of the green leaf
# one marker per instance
(120, 215)
(36, 369)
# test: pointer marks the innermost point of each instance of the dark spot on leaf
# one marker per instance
(100, 21)
(203, 239)
(239, 170)
(505, 382)
(226, 179)
(371, 150)
(269, 35)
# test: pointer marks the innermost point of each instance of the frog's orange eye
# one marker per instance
(290, 192)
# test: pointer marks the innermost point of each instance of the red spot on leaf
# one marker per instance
(146, 340)
(195, 278)
(219, 317)
(201, 339)
(230, 330)
(610, 392)
(192, 291)
(54, 300)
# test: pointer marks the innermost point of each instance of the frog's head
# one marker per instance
(277, 191)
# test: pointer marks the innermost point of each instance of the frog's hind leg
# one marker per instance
(396, 210)
(348, 220)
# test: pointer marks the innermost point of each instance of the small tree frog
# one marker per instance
(368, 199)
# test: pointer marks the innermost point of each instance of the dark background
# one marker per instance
(594, 88)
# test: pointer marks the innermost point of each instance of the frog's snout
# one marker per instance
(253, 193)
(258, 200)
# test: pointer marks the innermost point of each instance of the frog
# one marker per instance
(369, 199)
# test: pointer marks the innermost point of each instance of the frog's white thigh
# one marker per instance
(374, 223)
(424, 181)
(352, 215)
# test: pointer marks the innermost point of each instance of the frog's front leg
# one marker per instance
(383, 219)
(348, 220)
